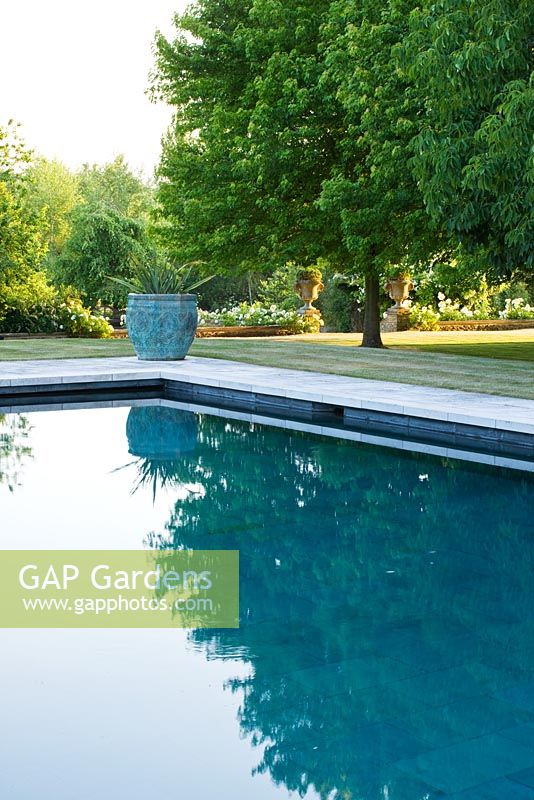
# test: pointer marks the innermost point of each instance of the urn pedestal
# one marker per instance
(397, 317)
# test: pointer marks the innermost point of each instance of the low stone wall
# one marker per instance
(33, 336)
(202, 332)
(486, 324)
(242, 331)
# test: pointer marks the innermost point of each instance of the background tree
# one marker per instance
(22, 228)
(208, 206)
(252, 140)
(103, 243)
(110, 229)
(115, 186)
(24, 288)
(51, 236)
(53, 193)
(471, 62)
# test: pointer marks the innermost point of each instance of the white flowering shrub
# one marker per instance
(424, 318)
(450, 310)
(257, 314)
(517, 308)
(74, 319)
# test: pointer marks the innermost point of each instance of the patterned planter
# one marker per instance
(161, 326)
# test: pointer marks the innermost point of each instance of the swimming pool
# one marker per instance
(386, 645)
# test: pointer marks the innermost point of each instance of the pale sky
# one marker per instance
(74, 75)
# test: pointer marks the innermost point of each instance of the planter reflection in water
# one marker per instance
(162, 326)
(160, 437)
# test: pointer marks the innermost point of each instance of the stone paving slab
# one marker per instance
(483, 410)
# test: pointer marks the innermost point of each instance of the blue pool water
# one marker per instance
(386, 647)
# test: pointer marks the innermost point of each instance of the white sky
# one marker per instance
(74, 74)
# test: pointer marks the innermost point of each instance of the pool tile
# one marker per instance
(467, 718)
(399, 786)
(524, 778)
(384, 743)
(370, 746)
(466, 765)
(427, 649)
(521, 695)
(524, 734)
(354, 673)
(501, 789)
(444, 686)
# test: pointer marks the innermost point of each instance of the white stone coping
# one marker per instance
(468, 408)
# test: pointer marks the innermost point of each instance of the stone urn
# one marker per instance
(308, 288)
(162, 327)
(399, 289)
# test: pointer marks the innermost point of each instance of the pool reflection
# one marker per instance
(386, 601)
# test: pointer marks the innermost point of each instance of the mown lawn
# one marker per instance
(497, 362)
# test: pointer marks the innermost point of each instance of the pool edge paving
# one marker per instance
(505, 425)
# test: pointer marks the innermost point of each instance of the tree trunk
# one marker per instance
(371, 324)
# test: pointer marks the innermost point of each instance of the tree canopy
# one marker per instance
(291, 138)
(381, 214)
(115, 186)
(471, 63)
(22, 228)
(54, 194)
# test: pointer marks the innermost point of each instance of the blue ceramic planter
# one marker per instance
(161, 326)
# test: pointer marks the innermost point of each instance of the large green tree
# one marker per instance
(382, 217)
(253, 136)
(291, 138)
(208, 199)
(471, 61)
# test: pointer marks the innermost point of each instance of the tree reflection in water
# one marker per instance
(372, 581)
(14, 448)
